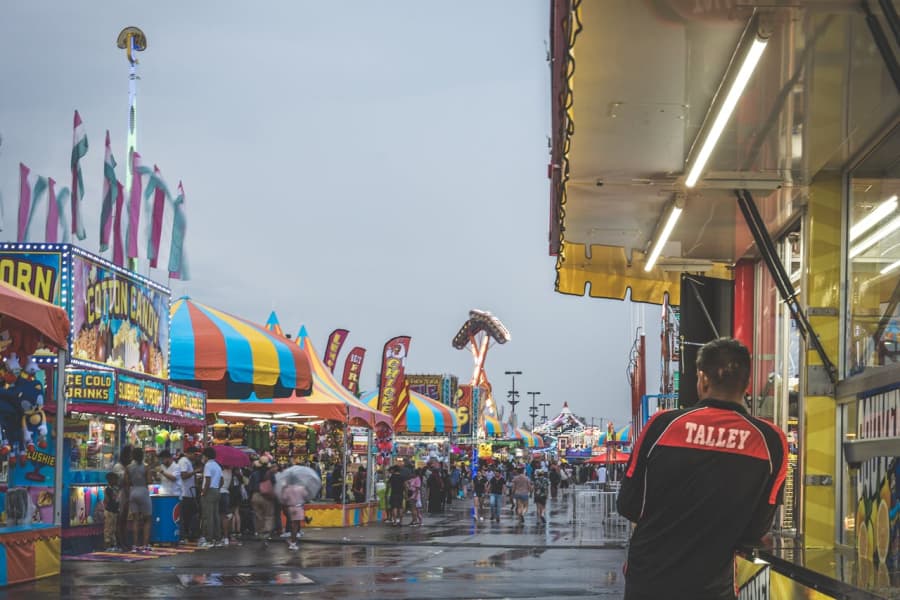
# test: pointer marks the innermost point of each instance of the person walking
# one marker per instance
(293, 497)
(139, 501)
(479, 492)
(555, 478)
(541, 487)
(396, 489)
(520, 489)
(497, 486)
(700, 482)
(209, 499)
(414, 497)
(261, 488)
(120, 469)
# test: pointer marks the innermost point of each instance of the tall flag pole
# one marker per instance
(79, 149)
(352, 368)
(118, 245)
(333, 347)
(109, 196)
(393, 373)
(134, 210)
(132, 40)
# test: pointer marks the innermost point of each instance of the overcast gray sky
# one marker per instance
(374, 166)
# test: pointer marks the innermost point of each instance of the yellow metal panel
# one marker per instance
(610, 276)
(822, 290)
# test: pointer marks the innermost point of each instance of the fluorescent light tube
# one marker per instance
(229, 413)
(663, 237)
(876, 237)
(728, 106)
(876, 216)
(890, 268)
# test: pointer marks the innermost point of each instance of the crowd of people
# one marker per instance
(218, 505)
(432, 488)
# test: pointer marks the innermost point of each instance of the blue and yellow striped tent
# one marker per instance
(421, 414)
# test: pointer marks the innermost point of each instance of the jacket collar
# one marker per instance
(724, 405)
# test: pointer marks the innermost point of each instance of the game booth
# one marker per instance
(281, 383)
(115, 383)
(30, 474)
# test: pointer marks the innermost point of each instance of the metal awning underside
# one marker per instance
(632, 83)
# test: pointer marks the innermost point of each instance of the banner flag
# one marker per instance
(109, 196)
(79, 149)
(177, 257)
(333, 347)
(393, 369)
(157, 188)
(118, 246)
(30, 193)
(468, 421)
(352, 369)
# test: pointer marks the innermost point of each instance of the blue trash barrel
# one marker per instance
(164, 520)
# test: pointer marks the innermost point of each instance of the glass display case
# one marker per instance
(90, 441)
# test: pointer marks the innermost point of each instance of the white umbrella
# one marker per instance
(298, 475)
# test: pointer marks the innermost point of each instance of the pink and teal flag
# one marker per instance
(134, 207)
(177, 256)
(156, 187)
(79, 149)
(109, 196)
(31, 191)
(52, 228)
(118, 246)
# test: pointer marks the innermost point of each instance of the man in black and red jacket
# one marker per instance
(700, 482)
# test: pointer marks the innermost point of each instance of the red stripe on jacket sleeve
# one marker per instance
(636, 451)
(782, 468)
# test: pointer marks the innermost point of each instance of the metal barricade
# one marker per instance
(595, 518)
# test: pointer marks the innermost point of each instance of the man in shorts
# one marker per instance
(397, 489)
(520, 490)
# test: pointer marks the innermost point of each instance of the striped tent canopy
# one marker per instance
(230, 357)
(531, 440)
(623, 435)
(328, 400)
(492, 427)
(420, 415)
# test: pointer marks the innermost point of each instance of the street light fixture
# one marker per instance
(533, 410)
(544, 405)
(513, 395)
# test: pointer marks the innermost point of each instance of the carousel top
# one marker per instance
(565, 421)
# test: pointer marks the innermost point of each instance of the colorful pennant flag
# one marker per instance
(157, 188)
(109, 196)
(79, 149)
(56, 213)
(333, 347)
(177, 256)
(134, 207)
(393, 368)
(31, 190)
(118, 246)
(352, 369)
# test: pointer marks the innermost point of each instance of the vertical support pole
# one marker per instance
(59, 430)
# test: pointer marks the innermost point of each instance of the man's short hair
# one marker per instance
(726, 362)
(164, 454)
(209, 452)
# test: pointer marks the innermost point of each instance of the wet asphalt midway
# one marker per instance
(452, 556)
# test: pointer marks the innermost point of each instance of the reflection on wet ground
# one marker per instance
(453, 556)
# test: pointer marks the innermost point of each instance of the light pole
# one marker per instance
(544, 405)
(513, 395)
(533, 411)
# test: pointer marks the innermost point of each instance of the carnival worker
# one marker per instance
(701, 482)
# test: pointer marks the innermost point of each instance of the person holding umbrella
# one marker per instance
(293, 486)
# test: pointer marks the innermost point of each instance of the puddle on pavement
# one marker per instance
(504, 558)
(243, 579)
